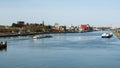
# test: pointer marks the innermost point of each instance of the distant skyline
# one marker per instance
(64, 12)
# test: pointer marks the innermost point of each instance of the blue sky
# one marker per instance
(64, 12)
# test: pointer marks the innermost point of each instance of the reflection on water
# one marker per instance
(70, 50)
(3, 49)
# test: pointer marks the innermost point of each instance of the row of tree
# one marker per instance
(20, 26)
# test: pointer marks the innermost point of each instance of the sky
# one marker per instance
(64, 12)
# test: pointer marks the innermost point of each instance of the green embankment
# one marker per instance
(117, 33)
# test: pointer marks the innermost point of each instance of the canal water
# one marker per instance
(70, 50)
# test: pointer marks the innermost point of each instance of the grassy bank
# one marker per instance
(117, 33)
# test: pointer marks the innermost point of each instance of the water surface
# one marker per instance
(72, 50)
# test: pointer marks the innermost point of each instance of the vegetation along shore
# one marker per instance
(22, 29)
(117, 32)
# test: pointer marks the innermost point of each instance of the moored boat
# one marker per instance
(41, 36)
(3, 44)
(107, 35)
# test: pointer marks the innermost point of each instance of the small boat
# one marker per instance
(41, 36)
(107, 35)
(3, 44)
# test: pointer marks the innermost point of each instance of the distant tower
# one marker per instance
(43, 22)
